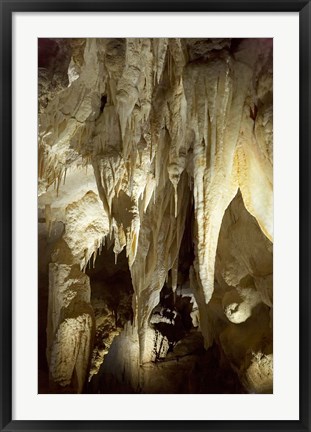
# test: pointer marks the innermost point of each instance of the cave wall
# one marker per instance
(241, 309)
(131, 131)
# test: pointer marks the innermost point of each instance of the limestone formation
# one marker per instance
(158, 154)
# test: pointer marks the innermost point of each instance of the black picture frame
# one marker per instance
(6, 11)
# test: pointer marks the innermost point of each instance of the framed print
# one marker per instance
(155, 215)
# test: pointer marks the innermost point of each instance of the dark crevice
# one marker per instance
(111, 299)
(103, 101)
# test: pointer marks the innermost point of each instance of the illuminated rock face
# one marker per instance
(132, 134)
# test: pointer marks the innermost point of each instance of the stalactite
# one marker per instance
(174, 275)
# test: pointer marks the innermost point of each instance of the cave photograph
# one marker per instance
(155, 216)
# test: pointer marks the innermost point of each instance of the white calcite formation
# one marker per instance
(131, 133)
(70, 325)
